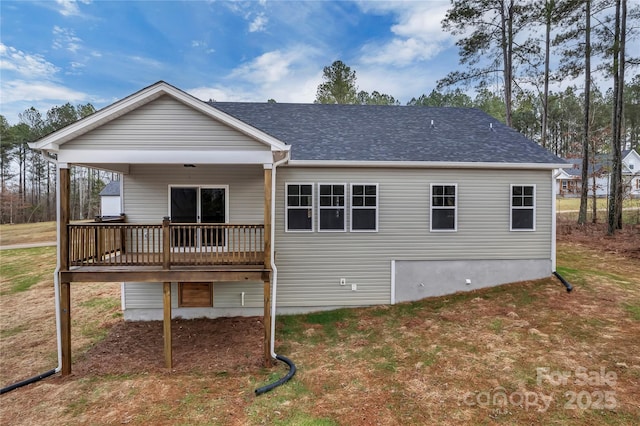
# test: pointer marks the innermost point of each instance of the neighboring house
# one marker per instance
(631, 173)
(336, 205)
(110, 205)
(569, 181)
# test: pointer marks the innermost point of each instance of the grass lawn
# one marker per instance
(27, 233)
(567, 209)
(525, 353)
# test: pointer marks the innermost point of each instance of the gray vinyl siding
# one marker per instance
(146, 190)
(310, 265)
(167, 124)
(145, 200)
(225, 295)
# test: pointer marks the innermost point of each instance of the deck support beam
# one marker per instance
(267, 265)
(166, 301)
(65, 326)
(64, 181)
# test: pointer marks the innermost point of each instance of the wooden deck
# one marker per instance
(166, 252)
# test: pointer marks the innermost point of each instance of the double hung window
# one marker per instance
(331, 207)
(299, 209)
(444, 202)
(523, 207)
(364, 207)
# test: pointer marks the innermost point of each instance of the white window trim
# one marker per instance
(344, 207)
(286, 207)
(198, 201)
(199, 211)
(511, 207)
(352, 207)
(432, 207)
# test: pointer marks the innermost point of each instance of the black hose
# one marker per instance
(283, 380)
(563, 281)
(27, 381)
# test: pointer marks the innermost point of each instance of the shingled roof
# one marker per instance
(112, 189)
(389, 133)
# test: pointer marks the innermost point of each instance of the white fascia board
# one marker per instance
(97, 157)
(426, 164)
(144, 96)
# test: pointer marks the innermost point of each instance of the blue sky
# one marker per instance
(53, 52)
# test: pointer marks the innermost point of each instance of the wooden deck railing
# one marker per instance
(184, 244)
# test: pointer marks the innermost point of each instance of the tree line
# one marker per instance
(505, 50)
(508, 44)
(28, 180)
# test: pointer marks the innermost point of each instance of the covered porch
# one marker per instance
(196, 190)
(165, 252)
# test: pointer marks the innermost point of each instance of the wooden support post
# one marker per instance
(65, 325)
(63, 256)
(166, 292)
(166, 243)
(63, 218)
(267, 266)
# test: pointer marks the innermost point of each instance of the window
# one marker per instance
(364, 207)
(443, 207)
(299, 209)
(523, 207)
(564, 184)
(331, 207)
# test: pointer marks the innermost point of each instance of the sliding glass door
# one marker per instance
(198, 204)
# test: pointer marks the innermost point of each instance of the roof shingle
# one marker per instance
(389, 133)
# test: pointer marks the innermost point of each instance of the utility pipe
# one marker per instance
(563, 281)
(56, 292)
(274, 285)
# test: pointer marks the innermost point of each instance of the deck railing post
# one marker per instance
(166, 243)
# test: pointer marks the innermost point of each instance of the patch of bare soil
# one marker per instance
(217, 346)
(625, 242)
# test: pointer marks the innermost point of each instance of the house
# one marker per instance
(264, 209)
(569, 181)
(110, 200)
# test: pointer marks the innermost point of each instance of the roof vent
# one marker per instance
(432, 126)
(491, 126)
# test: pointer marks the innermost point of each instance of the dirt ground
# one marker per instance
(626, 242)
(386, 378)
(235, 344)
(221, 346)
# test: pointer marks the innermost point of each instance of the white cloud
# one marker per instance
(30, 80)
(199, 44)
(70, 7)
(26, 65)
(259, 23)
(418, 35)
(65, 38)
(290, 75)
(22, 90)
(273, 66)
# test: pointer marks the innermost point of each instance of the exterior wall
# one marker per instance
(110, 206)
(146, 190)
(146, 200)
(416, 279)
(165, 124)
(143, 301)
(311, 264)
